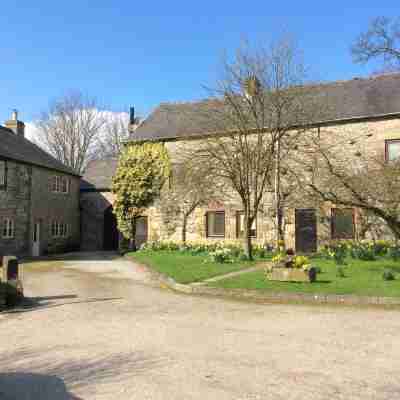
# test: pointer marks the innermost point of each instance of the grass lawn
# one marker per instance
(184, 267)
(362, 278)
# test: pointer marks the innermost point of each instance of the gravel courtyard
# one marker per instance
(101, 328)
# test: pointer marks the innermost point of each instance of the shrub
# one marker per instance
(394, 252)
(388, 275)
(381, 247)
(221, 256)
(363, 251)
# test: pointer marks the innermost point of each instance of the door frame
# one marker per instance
(36, 238)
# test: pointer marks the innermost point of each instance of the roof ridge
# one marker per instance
(308, 84)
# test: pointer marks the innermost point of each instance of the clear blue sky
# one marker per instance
(145, 52)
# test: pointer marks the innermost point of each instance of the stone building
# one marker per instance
(39, 197)
(99, 225)
(356, 107)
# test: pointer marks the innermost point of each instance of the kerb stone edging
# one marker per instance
(272, 297)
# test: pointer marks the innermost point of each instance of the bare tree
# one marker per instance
(381, 40)
(258, 111)
(357, 178)
(192, 185)
(69, 129)
(113, 135)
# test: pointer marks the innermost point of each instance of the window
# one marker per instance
(56, 184)
(3, 175)
(65, 183)
(54, 228)
(392, 151)
(215, 223)
(59, 229)
(240, 226)
(342, 223)
(8, 228)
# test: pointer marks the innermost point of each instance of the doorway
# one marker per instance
(36, 240)
(110, 231)
(306, 230)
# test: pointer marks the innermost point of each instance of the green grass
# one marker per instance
(362, 278)
(184, 267)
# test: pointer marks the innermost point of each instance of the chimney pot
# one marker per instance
(14, 115)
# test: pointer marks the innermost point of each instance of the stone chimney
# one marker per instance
(18, 127)
(134, 121)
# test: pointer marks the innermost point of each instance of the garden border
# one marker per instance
(270, 297)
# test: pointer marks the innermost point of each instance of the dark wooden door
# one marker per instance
(306, 230)
(111, 234)
(141, 231)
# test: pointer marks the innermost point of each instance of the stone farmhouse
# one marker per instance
(356, 106)
(39, 197)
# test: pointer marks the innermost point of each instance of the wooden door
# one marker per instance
(306, 230)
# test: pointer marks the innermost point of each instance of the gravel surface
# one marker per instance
(100, 328)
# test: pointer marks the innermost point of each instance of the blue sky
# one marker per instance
(145, 52)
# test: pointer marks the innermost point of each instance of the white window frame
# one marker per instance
(8, 228)
(55, 184)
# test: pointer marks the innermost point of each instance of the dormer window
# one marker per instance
(392, 152)
(3, 175)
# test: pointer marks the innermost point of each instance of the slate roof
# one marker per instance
(98, 175)
(19, 148)
(345, 100)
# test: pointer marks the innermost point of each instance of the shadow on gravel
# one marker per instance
(56, 371)
(39, 303)
(26, 386)
(76, 256)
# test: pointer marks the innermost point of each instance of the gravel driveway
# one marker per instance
(100, 328)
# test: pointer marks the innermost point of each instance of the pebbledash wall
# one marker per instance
(371, 137)
(28, 199)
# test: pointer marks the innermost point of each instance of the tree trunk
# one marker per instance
(394, 225)
(184, 228)
(247, 247)
(278, 208)
(132, 241)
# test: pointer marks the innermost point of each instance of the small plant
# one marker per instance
(388, 275)
(279, 257)
(301, 262)
(221, 256)
(340, 271)
(336, 251)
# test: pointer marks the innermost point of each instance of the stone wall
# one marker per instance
(370, 138)
(29, 199)
(48, 206)
(93, 204)
(15, 204)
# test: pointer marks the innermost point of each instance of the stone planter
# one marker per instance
(291, 275)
